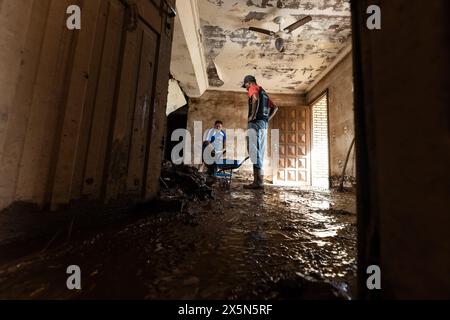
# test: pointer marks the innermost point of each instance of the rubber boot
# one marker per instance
(260, 179)
(258, 182)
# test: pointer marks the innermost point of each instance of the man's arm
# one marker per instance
(273, 112)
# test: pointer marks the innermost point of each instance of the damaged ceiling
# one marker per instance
(232, 51)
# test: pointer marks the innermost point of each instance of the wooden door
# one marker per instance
(132, 131)
(119, 134)
(294, 165)
(101, 96)
(140, 136)
(113, 104)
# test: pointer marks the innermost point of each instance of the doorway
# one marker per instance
(320, 151)
(293, 124)
(176, 120)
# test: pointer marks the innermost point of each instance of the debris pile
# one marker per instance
(185, 181)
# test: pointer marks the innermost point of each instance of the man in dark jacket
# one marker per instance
(261, 110)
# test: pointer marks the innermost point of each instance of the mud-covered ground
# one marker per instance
(280, 244)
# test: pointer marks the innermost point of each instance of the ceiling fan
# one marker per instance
(281, 35)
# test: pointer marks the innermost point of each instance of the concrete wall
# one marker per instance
(339, 83)
(229, 107)
(403, 142)
(75, 108)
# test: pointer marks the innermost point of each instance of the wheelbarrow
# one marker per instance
(224, 170)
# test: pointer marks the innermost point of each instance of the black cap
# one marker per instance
(248, 79)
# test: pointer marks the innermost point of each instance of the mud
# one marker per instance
(280, 244)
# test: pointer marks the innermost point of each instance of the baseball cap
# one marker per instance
(248, 78)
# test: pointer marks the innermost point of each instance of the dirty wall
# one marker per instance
(339, 84)
(82, 112)
(228, 107)
(403, 144)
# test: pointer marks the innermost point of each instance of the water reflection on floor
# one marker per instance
(283, 243)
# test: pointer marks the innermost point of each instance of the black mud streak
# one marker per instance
(336, 5)
(242, 36)
(254, 15)
(218, 3)
(213, 76)
(214, 40)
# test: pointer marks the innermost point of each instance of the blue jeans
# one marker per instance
(257, 140)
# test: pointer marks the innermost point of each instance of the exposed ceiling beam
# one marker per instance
(188, 14)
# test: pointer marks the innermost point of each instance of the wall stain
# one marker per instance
(242, 36)
(254, 15)
(214, 40)
(216, 2)
(213, 76)
(335, 5)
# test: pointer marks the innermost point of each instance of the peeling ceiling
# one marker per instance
(232, 51)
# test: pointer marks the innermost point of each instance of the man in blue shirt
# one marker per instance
(214, 142)
(217, 137)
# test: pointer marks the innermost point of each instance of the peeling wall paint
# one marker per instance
(236, 51)
(339, 83)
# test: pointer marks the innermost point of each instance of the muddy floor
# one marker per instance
(284, 243)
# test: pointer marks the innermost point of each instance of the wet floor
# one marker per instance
(280, 244)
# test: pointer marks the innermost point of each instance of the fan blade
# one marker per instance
(298, 24)
(270, 33)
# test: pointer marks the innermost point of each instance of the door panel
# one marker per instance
(119, 135)
(104, 99)
(294, 153)
(85, 129)
(142, 111)
(126, 101)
